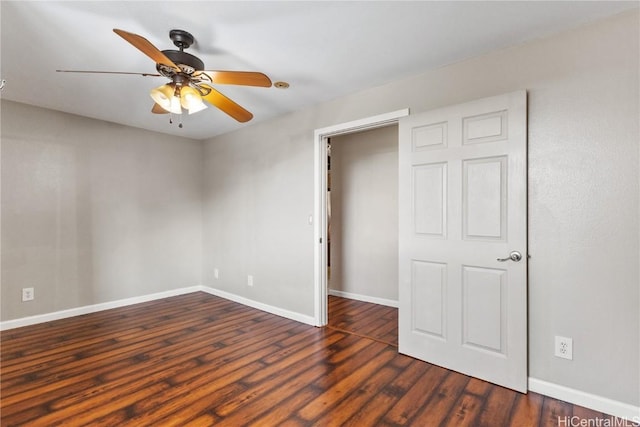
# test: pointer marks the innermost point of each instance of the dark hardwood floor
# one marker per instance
(373, 321)
(200, 360)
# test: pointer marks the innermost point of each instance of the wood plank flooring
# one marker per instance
(200, 360)
(373, 321)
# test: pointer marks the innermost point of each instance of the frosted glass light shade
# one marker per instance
(191, 100)
(164, 96)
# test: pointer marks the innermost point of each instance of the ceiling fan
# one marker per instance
(190, 83)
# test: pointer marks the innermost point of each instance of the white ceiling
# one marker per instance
(324, 49)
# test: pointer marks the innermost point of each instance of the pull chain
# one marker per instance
(171, 120)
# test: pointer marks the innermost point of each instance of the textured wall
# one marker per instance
(94, 212)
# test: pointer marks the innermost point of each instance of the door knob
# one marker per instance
(514, 256)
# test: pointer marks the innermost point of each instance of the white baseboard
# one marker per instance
(591, 401)
(364, 298)
(78, 311)
(309, 320)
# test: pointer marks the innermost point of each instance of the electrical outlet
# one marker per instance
(249, 280)
(564, 347)
(28, 294)
(216, 273)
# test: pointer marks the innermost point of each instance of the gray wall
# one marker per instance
(257, 201)
(583, 195)
(364, 213)
(94, 212)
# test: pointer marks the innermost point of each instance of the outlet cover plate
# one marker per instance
(564, 347)
(27, 294)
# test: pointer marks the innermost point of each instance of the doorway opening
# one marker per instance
(362, 233)
(321, 244)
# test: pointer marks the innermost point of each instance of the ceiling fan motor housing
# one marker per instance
(187, 62)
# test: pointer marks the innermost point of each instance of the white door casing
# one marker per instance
(463, 205)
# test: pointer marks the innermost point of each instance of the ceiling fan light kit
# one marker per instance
(172, 98)
(190, 84)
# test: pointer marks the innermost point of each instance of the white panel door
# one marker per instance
(463, 211)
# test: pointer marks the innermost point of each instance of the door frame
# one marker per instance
(320, 137)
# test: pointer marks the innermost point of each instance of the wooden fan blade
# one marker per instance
(146, 47)
(157, 109)
(245, 78)
(227, 105)
(108, 72)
